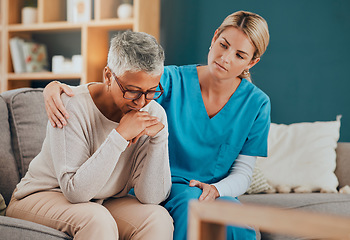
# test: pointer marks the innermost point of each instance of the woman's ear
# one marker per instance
(214, 37)
(253, 62)
(106, 75)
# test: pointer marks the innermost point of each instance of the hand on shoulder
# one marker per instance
(55, 110)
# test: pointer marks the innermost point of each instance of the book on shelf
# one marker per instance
(28, 56)
(17, 56)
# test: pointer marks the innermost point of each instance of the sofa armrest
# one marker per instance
(13, 229)
(343, 163)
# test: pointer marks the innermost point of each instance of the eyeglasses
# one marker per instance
(135, 94)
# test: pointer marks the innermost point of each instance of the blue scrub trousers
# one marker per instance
(177, 205)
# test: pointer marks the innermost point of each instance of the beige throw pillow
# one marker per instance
(302, 157)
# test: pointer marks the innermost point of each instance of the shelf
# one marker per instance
(113, 24)
(94, 36)
(64, 26)
(44, 27)
(42, 76)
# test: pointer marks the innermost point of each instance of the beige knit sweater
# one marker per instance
(88, 159)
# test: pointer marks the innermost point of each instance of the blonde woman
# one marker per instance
(218, 120)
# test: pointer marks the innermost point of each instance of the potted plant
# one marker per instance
(29, 12)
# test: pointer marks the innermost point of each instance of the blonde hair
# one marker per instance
(254, 26)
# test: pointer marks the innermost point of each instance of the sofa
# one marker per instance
(23, 124)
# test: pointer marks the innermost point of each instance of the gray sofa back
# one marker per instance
(23, 124)
(9, 175)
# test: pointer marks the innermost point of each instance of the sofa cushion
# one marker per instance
(328, 203)
(331, 203)
(14, 229)
(28, 123)
(9, 176)
(343, 163)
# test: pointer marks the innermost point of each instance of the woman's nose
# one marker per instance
(140, 102)
(227, 57)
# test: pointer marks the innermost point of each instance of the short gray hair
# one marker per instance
(134, 52)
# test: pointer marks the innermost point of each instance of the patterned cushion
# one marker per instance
(259, 183)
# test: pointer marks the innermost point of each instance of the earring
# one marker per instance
(108, 86)
(246, 72)
(210, 48)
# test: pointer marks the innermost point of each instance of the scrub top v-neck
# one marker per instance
(205, 148)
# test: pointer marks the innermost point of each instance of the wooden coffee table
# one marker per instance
(208, 220)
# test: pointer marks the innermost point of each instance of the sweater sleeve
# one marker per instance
(239, 180)
(81, 174)
(152, 178)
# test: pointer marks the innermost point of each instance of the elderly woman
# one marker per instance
(116, 140)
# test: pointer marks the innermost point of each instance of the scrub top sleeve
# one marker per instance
(256, 142)
(166, 82)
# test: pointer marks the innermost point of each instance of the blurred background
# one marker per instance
(304, 70)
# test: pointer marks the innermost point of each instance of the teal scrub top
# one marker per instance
(204, 148)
